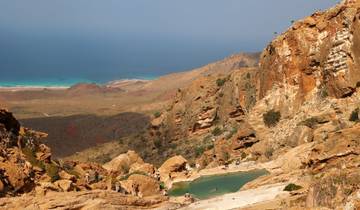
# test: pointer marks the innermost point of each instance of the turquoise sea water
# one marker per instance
(61, 82)
(209, 186)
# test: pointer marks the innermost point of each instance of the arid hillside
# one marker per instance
(89, 115)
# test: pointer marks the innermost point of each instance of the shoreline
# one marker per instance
(63, 87)
(34, 88)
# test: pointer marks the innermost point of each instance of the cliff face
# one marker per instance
(318, 53)
(299, 111)
(312, 65)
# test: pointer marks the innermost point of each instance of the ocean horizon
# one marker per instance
(64, 83)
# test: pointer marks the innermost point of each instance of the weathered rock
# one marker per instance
(96, 199)
(66, 176)
(171, 167)
(45, 186)
(44, 153)
(140, 185)
(317, 58)
(145, 168)
(123, 162)
(245, 137)
(64, 185)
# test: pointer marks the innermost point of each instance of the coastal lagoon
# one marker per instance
(210, 186)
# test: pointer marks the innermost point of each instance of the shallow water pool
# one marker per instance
(210, 186)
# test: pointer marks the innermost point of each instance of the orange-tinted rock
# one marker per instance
(140, 185)
(305, 55)
(123, 162)
(172, 166)
(145, 168)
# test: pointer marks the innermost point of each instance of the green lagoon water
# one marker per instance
(210, 186)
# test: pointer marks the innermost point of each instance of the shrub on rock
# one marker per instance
(271, 118)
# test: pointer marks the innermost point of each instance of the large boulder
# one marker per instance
(123, 162)
(172, 167)
(144, 168)
(140, 185)
(64, 185)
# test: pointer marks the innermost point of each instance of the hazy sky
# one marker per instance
(125, 38)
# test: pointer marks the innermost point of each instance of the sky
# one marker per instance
(114, 39)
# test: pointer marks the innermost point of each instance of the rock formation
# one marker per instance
(299, 110)
(296, 114)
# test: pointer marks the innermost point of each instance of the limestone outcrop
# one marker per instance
(319, 53)
(96, 199)
(140, 185)
(172, 168)
(123, 162)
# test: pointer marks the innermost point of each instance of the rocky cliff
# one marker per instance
(299, 110)
(296, 114)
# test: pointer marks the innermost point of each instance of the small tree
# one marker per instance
(292, 187)
(52, 171)
(157, 114)
(157, 143)
(354, 116)
(217, 131)
(269, 152)
(220, 82)
(226, 156)
(199, 151)
(271, 118)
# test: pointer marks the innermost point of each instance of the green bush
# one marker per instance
(125, 168)
(52, 171)
(292, 187)
(210, 146)
(269, 152)
(271, 118)
(102, 159)
(220, 82)
(358, 84)
(199, 151)
(217, 131)
(243, 155)
(310, 122)
(232, 133)
(173, 145)
(323, 92)
(207, 139)
(226, 156)
(354, 116)
(31, 157)
(162, 185)
(157, 114)
(157, 143)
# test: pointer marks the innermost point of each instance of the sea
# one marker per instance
(63, 83)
